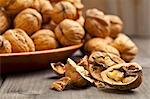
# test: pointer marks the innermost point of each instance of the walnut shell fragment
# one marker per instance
(61, 84)
(5, 46)
(116, 25)
(59, 68)
(69, 32)
(100, 61)
(29, 20)
(4, 21)
(99, 44)
(19, 40)
(125, 76)
(96, 23)
(79, 76)
(126, 47)
(44, 40)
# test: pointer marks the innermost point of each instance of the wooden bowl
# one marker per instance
(18, 62)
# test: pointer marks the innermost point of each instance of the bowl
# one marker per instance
(18, 62)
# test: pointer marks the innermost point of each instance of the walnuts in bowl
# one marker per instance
(44, 40)
(69, 32)
(29, 20)
(19, 40)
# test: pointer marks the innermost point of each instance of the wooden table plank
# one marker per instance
(36, 86)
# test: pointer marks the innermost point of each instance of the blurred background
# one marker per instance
(134, 13)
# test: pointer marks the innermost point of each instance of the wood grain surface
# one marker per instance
(35, 85)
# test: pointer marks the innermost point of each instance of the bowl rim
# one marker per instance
(44, 51)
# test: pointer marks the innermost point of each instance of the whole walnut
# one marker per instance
(116, 25)
(96, 23)
(15, 6)
(29, 20)
(99, 44)
(126, 47)
(44, 40)
(19, 40)
(44, 7)
(4, 22)
(5, 46)
(64, 10)
(69, 32)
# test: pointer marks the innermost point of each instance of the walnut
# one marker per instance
(99, 44)
(5, 46)
(116, 25)
(124, 76)
(64, 10)
(96, 23)
(44, 7)
(126, 47)
(81, 20)
(19, 40)
(51, 25)
(44, 40)
(15, 6)
(69, 32)
(4, 22)
(29, 20)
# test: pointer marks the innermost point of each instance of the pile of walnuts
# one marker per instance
(35, 25)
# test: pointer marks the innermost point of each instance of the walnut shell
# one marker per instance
(64, 10)
(116, 25)
(5, 46)
(29, 20)
(44, 7)
(81, 20)
(15, 6)
(104, 58)
(4, 22)
(19, 40)
(79, 76)
(126, 47)
(61, 83)
(69, 32)
(99, 44)
(125, 76)
(44, 40)
(96, 23)
(51, 25)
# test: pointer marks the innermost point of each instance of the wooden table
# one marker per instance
(35, 85)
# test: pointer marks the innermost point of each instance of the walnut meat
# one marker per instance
(29, 20)
(96, 23)
(44, 40)
(126, 47)
(15, 6)
(5, 46)
(99, 44)
(4, 23)
(19, 40)
(69, 32)
(64, 10)
(116, 25)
